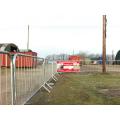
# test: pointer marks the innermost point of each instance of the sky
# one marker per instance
(60, 26)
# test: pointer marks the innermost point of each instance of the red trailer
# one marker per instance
(4, 60)
(21, 60)
(74, 57)
(79, 58)
(26, 61)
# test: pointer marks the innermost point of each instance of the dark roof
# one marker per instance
(10, 47)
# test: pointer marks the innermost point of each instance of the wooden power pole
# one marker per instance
(28, 39)
(104, 45)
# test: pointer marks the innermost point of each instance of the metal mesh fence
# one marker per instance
(96, 66)
(5, 79)
(29, 77)
(21, 76)
(90, 66)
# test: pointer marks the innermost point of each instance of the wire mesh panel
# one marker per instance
(29, 77)
(96, 66)
(54, 67)
(21, 76)
(5, 79)
(113, 66)
(47, 70)
(90, 66)
(51, 69)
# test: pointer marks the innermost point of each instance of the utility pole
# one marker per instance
(28, 39)
(104, 45)
(73, 51)
(112, 55)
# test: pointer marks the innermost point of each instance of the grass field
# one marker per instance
(81, 89)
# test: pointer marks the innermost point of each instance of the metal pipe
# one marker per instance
(13, 78)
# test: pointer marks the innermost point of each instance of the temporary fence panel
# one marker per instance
(29, 77)
(113, 66)
(49, 69)
(5, 79)
(54, 67)
(91, 66)
(22, 76)
(96, 66)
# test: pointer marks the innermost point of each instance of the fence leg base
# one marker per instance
(54, 77)
(46, 88)
(48, 85)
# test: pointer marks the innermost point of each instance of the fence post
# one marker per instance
(44, 71)
(53, 73)
(13, 78)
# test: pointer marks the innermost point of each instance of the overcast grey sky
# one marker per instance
(59, 26)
